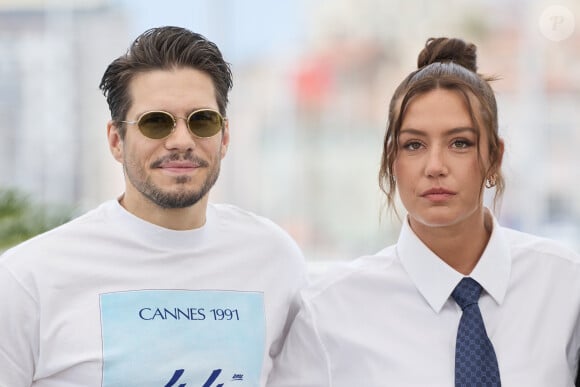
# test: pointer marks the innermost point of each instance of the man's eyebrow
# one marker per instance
(418, 132)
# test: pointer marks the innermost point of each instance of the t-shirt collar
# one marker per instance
(435, 280)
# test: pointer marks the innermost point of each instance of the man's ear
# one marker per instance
(115, 141)
(225, 139)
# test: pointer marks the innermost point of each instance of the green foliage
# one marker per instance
(21, 219)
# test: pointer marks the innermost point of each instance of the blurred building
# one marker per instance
(320, 146)
(53, 128)
(307, 122)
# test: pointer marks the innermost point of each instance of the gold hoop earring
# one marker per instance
(491, 181)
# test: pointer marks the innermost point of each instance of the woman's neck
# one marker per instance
(460, 245)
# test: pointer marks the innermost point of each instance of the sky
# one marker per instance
(264, 21)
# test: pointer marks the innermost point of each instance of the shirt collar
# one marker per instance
(435, 280)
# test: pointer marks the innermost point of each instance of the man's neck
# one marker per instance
(187, 218)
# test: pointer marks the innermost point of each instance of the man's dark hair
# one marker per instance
(164, 48)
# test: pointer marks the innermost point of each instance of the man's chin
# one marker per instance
(170, 200)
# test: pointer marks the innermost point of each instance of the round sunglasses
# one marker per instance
(160, 124)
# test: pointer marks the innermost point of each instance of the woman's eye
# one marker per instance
(462, 144)
(412, 145)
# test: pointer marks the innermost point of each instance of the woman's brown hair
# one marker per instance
(450, 64)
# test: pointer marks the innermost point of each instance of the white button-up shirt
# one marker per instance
(389, 320)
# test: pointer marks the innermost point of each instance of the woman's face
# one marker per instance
(438, 167)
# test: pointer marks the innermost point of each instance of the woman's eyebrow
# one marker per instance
(418, 132)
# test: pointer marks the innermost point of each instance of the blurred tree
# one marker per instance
(21, 219)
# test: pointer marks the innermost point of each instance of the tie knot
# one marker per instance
(466, 292)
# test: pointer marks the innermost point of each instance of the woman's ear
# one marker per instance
(500, 151)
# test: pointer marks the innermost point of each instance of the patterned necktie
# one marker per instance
(475, 360)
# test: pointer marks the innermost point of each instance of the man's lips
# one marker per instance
(179, 166)
(174, 163)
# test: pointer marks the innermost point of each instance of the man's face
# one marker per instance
(180, 169)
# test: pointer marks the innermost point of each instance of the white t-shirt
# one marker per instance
(111, 300)
(388, 319)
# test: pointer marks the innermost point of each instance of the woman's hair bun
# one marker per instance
(448, 50)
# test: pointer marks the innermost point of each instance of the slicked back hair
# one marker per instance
(164, 48)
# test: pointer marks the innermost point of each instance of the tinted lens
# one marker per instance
(156, 124)
(205, 123)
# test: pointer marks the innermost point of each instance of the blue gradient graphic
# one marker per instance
(182, 338)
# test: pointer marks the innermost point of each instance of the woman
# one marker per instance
(396, 318)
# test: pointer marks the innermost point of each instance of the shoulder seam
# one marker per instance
(19, 282)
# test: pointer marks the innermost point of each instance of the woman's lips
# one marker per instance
(438, 194)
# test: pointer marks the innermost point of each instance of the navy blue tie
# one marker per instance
(475, 360)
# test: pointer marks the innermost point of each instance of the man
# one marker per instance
(158, 287)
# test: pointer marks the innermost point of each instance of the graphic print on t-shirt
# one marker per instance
(182, 338)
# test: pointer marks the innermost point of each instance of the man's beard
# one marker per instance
(182, 199)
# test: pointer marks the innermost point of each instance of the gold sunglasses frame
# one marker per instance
(174, 118)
